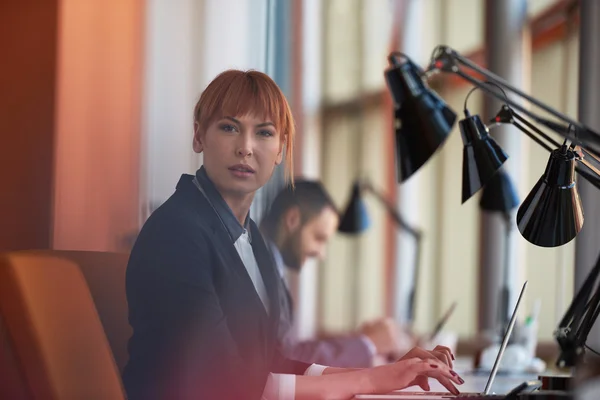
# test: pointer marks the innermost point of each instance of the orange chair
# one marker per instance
(56, 336)
(12, 382)
(104, 273)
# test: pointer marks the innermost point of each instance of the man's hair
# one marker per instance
(308, 195)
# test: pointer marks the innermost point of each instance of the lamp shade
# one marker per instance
(482, 157)
(552, 215)
(422, 119)
(499, 194)
(355, 218)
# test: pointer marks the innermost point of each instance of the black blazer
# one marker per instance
(200, 331)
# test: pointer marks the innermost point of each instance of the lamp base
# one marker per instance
(546, 395)
(556, 382)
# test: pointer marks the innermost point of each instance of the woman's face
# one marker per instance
(240, 152)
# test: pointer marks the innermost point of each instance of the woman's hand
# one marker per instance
(410, 372)
(414, 369)
(442, 353)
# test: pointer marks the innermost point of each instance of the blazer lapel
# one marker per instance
(232, 259)
(229, 252)
(266, 264)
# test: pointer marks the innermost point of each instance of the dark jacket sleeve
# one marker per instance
(284, 365)
(185, 349)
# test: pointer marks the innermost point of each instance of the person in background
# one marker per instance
(202, 287)
(297, 226)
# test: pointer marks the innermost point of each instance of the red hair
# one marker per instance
(235, 93)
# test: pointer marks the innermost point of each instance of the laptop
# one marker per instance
(402, 395)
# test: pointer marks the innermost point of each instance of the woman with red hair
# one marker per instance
(202, 287)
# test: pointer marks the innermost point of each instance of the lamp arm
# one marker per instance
(576, 324)
(585, 154)
(561, 130)
(412, 296)
(391, 209)
(593, 179)
(534, 128)
(591, 315)
(447, 60)
(414, 232)
(532, 136)
(579, 303)
(500, 81)
(589, 166)
(511, 116)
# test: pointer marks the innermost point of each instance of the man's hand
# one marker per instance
(384, 333)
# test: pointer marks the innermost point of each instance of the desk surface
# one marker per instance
(474, 383)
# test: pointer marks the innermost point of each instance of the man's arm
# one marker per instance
(344, 352)
(356, 351)
(380, 337)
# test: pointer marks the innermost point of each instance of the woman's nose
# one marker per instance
(244, 148)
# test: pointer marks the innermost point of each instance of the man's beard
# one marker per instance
(290, 252)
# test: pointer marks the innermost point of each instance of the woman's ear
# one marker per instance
(197, 144)
(281, 148)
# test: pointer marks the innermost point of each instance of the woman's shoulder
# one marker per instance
(176, 221)
(172, 238)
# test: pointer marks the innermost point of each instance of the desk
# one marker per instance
(474, 383)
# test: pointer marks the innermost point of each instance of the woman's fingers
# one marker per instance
(415, 371)
(445, 350)
(423, 382)
(440, 371)
(443, 355)
(447, 383)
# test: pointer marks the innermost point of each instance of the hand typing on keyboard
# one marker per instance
(413, 371)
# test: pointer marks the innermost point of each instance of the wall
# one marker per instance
(187, 46)
(96, 171)
(173, 80)
(27, 104)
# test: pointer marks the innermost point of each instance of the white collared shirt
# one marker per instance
(279, 386)
(244, 249)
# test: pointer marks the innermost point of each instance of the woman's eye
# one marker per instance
(228, 128)
(265, 133)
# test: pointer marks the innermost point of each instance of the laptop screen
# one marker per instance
(509, 330)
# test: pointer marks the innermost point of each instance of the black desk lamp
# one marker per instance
(557, 188)
(551, 215)
(355, 219)
(423, 120)
(482, 157)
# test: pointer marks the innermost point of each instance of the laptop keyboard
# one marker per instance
(444, 394)
(448, 395)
